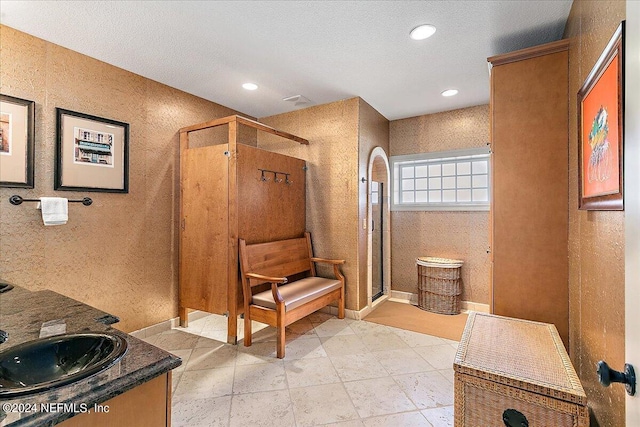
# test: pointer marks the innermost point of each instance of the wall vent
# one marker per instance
(297, 100)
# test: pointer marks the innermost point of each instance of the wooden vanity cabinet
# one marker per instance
(147, 405)
(529, 207)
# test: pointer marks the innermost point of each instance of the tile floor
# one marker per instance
(335, 373)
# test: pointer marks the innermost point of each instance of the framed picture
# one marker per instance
(600, 130)
(92, 153)
(17, 142)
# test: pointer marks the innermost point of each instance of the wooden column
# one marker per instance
(232, 296)
(529, 210)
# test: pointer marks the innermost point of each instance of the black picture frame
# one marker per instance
(92, 153)
(24, 154)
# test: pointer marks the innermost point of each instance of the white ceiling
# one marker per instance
(323, 50)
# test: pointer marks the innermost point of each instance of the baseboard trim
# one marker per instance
(349, 314)
(197, 314)
(404, 297)
(411, 298)
(356, 314)
(396, 296)
(474, 306)
(167, 325)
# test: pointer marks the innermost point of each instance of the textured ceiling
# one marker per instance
(323, 50)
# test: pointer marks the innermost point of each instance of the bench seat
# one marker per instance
(298, 293)
(283, 276)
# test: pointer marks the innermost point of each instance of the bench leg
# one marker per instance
(341, 305)
(280, 344)
(247, 328)
(280, 337)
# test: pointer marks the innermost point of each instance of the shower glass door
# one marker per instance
(377, 199)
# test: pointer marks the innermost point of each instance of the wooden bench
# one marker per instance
(276, 263)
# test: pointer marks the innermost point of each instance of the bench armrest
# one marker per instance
(274, 287)
(328, 261)
(256, 276)
(335, 263)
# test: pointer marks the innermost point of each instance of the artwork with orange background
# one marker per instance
(600, 135)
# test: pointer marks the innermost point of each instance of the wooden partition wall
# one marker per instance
(529, 207)
(230, 191)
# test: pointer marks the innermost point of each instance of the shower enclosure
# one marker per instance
(378, 234)
(377, 239)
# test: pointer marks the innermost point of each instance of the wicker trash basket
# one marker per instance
(439, 285)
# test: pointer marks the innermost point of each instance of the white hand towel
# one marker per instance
(55, 210)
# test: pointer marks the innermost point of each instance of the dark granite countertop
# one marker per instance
(22, 314)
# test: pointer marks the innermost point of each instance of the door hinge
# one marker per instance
(182, 223)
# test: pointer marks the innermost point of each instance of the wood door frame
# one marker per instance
(632, 203)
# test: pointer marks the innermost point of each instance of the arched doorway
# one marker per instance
(379, 234)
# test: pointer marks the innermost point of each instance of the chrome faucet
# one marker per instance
(3, 336)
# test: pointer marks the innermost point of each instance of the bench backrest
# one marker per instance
(282, 258)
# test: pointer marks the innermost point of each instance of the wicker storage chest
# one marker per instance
(508, 370)
(439, 285)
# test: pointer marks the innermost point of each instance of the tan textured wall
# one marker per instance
(332, 179)
(373, 131)
(119, 254)
(596, 239)
(458, 235)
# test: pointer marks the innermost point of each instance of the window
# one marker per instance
(375, 193)
(451, 180)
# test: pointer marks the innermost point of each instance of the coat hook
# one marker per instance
(276, 179)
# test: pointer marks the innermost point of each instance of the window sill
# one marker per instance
(441, 207)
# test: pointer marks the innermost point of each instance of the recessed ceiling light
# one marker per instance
(450, 92)
(422, 32)
(250, 86)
